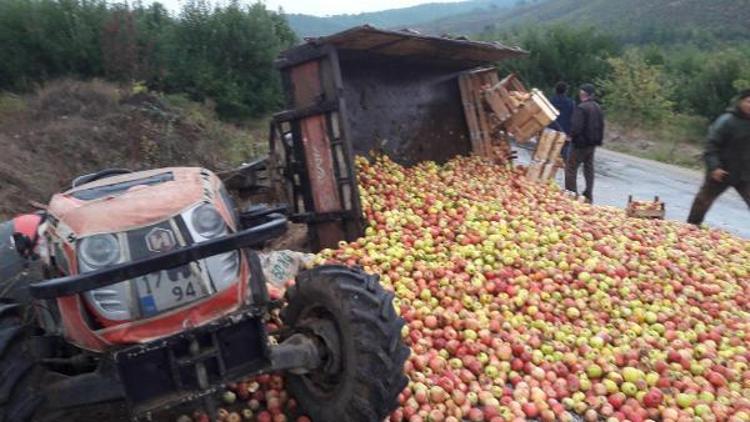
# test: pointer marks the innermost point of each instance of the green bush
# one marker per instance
(636, 92)
(705, 80)
(560, 53)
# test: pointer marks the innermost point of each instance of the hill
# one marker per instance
(636, 21)
(68, 128)
(307, 25)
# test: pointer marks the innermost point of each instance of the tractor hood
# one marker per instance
(133, 200)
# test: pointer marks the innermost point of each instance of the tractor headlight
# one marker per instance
(205, 223)
(99, 251)
(208, 222)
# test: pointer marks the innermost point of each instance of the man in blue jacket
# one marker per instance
(565, 105)
(727, 158)
(587, 133)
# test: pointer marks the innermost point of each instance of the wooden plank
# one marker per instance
(497, 105)
(355, 226)
(306, 84)
(534, 171)
(501, 151)
(557, 147)
(550, 171)
(544, 145)
(658, 214)
(486, 79)
(544, 105)
(501, 101)
(321, 177)
(515, 83)
(470, 111)
(484, 127)
(512, 83)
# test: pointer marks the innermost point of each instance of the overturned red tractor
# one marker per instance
(159, 299)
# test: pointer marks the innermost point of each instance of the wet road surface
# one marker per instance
(619, 175)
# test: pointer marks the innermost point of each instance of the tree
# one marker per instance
(119, 46)
(227, 53)
(636, 91)
(707, 79)
(560, 53)
(222, 52)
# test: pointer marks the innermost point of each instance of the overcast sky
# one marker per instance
(327, 7)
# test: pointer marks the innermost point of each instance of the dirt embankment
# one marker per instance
(69, 128)
(679, 143)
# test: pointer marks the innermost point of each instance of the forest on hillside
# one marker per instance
(218, 51)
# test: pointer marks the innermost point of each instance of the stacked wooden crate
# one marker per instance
(505, 98)
(546, 160)
(486, 138)
(521, 114)
(498, 110)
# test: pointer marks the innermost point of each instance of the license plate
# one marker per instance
(163, 290)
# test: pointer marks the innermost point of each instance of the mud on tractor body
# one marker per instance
(154, 295)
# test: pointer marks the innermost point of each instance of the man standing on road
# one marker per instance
(587, 133)
(727, 158)
(565, 105)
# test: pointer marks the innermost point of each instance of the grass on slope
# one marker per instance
(68, 128)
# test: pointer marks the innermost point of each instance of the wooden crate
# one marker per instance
(556, 150)
(486, 138)
(544, 145)
(550, 170)
(534, 171)
(542, 171)
(549, 145)
(535, 114)
(505, 97)
(655, 209)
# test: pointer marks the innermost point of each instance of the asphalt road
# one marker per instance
(619, 175)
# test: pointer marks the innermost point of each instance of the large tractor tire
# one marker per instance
(23, 379)
(20, 376)
(351, 313)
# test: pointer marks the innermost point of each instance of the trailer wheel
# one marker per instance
(20, 376)
(351, 314)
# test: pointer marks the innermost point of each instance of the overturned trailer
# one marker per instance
(403, 94)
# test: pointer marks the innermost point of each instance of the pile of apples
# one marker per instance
(521, 303)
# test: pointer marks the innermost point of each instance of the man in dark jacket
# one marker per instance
(727, 158)
(565, 105)
(587, 133)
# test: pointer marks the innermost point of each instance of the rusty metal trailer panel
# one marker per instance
(367, 90)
